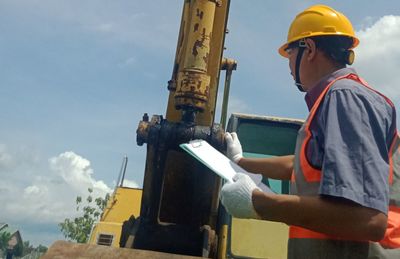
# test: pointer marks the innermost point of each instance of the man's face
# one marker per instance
(292, 52)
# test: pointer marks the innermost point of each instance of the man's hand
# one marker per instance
(237, 197)
(234, 150)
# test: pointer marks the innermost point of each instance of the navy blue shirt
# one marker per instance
(351, 135)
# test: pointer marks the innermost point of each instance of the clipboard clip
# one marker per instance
(196, 143)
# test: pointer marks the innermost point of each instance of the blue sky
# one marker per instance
(76, 77)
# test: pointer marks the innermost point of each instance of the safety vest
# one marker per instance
(306, 178)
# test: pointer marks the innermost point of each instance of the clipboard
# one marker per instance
(212, 158)
(219, 163)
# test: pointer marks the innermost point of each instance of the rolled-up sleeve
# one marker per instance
(355, 161)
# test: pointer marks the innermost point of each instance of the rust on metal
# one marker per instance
(202, 42)
(199, 13)
(217, 2)
(142, 132)
(196, 27)
(206, 57)
(228, 64)
(210, 242)
(171, 85)
(192, 90)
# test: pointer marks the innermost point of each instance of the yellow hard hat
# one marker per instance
(318, 20)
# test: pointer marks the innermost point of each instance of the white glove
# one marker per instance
(236, 197)
(234, 150)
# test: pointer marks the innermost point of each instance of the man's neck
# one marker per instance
(321, 71)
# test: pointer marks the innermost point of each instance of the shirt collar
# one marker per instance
(313, 94)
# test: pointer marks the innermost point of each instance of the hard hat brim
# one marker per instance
(282, 49)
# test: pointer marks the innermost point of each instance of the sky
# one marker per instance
(76, 76)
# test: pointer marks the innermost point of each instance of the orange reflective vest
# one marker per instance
(306, 178)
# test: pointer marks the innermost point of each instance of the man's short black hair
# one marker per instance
(335, 47)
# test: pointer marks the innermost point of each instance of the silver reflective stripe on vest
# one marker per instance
(301, 186)
(376, 251)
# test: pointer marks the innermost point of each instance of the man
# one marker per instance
(346, 159)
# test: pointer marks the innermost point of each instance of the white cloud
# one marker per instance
(48, 192)
(130, 183)
(77, 173)
(378, 55)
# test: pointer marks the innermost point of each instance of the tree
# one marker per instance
(4, 238)
(78, 229)
(28, 248)
(18, 249)
(41, 249)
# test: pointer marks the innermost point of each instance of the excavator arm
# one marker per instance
(179, 208)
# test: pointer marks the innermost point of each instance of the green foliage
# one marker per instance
(41, 249)
(19, 249)
(27, 248)
(78, 229)
(4, 237)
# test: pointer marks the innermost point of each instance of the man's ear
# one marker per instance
(311, 49)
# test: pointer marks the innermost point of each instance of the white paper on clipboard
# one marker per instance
(212, 158)
(218, 162)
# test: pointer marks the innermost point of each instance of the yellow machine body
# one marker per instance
(122, 204)
(258, 239)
